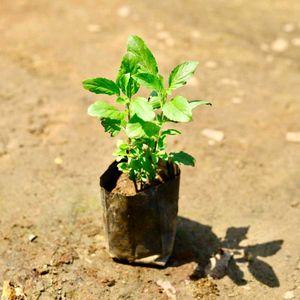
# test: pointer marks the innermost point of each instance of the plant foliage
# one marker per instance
(143, 120)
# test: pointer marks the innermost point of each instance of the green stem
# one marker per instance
(135, 185)
(128, 114)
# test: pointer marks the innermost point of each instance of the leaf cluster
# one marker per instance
(144, 120)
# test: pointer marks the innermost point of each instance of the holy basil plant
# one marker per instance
(143, 120)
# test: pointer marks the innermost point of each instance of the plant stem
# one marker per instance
(170, 170)
(128, 109)
(135, 185)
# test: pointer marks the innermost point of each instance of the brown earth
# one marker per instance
(244, 193)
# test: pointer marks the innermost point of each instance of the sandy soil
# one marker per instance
(244, 193)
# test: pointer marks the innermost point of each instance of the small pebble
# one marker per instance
(162, 35)
(293, 137)
(210, 64)
(168, 288)
(280, 45)
(246, 287)
(109, 282)
(296, 42)
(229, 81)
(195, 34)
(32, 237)
(124, 11)
(289, 27)
(212, 134)
(289, 295)
(94, 28)
(294, 203)
(58, 161)
(218, 264)
(236, 100)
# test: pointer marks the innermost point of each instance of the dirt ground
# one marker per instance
(243, 194)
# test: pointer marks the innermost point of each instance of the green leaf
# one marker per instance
(137, 128)
(121, 100)
(155, 102)
(149, 81)
(195, 103)
(127, 85)
(129, 64)
(101, 86)
(134, 130)
(111, 126)
(171, 132)
(146, 60)
(129, 67)
(123, 167)
(122, 150)
(181, 74)
(153, 94)
(178, 110)
(150, 129)
(142, 108)
(101, 109)
(183, 158)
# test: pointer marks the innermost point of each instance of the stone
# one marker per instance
(218, 264)
(168, 288)
(213, 134)
(11, 291)
(295, 203)
(293, 136)
(93, 28)
(195, 34)
(124, 11)
(229, 81)
(288, 27)
(58, 161)
(296, 41)
(32, 237)
(280, 45)
(8, 291)
(210, 64)
(289, 295)
(236, 100)
(108, 281)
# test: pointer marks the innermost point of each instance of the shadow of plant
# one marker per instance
(196, 242)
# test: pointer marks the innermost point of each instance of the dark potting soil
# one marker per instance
(126, 187)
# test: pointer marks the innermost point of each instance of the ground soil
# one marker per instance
(243, 194)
